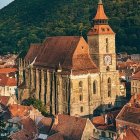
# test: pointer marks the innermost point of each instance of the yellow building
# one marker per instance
(72, 76)
(135, 83)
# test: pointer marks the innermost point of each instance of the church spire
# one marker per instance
(100, 15)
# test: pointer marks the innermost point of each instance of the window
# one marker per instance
(81, 97)
(94, 87)
(81, 109)
(107, 45)
(109, 87)
(80, 86)
(103, 134)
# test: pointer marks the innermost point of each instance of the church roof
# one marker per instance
(100, 29)
(32, 52)
(66, 51)
(100, 12)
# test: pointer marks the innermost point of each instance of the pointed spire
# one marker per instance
(100, 12)
(100, 2)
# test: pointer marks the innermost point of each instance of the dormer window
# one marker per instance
(103, 29)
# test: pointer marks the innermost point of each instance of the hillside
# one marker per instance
(30, 21)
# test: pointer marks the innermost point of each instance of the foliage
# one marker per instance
(36, 104)
(2, 128)
(30, 21)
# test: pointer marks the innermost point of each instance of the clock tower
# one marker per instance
(101, 40)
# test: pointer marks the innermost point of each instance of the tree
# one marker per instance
(36, 104)
(3, 132)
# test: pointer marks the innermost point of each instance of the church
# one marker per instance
(72, 76)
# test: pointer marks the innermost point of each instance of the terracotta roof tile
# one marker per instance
(19, 110)
(29, 125)
(129, 114)
(136, 76)
(45, 125)
(66, 51)
(100, 12)
(100, 29)
(56, 136)
(56, 49)
(70, 127)
(11, 82)
(8, 70)
(33, 52)
(130, 134)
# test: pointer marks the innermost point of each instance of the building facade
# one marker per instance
(72, 76)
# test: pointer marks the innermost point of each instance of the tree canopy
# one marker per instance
(31, 21)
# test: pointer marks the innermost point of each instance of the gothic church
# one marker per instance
(72, 76)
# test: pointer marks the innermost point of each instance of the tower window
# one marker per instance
(109, 87)
(81, 97)
(81, 109)
(80, 86)
(94, 87)
(107, 45)
(103, 29)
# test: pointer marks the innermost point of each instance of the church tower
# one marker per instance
(101, 40)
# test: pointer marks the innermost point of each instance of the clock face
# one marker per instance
(107, 59)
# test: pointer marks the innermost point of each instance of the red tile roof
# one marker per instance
(29, 125)
(20, 135)
(130, 134)
(45, 125)
(19, 110)
(56, 136)
(7, 81)
(70, 127)
(8, 70)
(136, 76)
(100, 12)
(56, 49)
(71, 52)
(129, 114)
(33, 52)
(100, 29)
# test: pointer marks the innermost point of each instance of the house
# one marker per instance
(135, 83)
(127, 121)
(71, 128)
(105, 126)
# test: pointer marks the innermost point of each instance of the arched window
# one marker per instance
(81, 109)
(80, 86)
(95, 87)
(109, 87)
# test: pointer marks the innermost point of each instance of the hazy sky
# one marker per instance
(4, 3)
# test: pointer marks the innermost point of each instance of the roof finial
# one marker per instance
(100, 2)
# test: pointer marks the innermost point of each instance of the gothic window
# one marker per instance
(95, 87)
(65, 91)
(81, 109)
(81, 97)
(80, 86)
(109, 87)
(107, 45)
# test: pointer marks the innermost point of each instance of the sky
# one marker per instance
(4, 3)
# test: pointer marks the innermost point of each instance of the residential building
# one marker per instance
(135, 83)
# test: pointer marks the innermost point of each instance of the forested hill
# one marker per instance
(31, 21)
